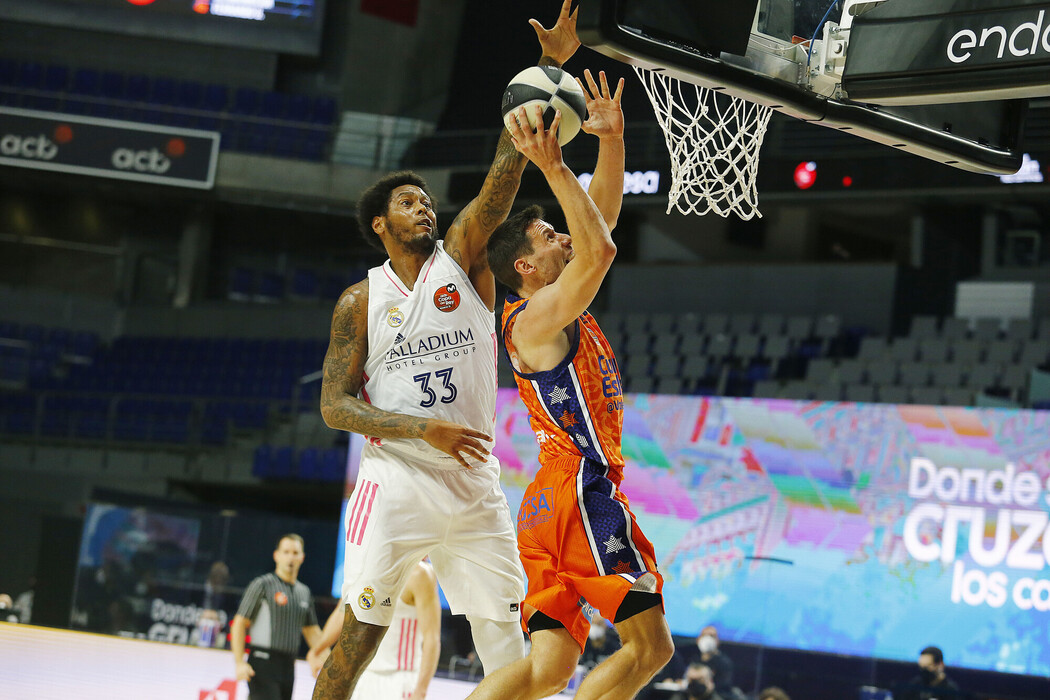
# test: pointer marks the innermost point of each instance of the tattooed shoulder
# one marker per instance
(351, 311)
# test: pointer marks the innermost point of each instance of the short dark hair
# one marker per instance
(509, 242)
(290, 536)
(935, 652)
(375, 201)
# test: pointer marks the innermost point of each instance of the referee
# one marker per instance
(278, 608)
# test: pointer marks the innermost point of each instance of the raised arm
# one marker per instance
(605, 120)
(555, 306)
(343, 378)
(423, 587)
(469, 233)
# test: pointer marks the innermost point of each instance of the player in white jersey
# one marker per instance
(408, 655)
(412, 365)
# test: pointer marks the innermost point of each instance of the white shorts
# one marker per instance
(388, 685)
(400, 513)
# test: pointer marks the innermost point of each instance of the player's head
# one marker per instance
(773, 693)
(701, 680)
(289, 554)
(931, 663)
(526, 253)
(397, 214)
(707, 640)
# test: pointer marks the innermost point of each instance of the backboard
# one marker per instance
(796, 56)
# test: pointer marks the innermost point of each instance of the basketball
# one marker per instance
(553, 89)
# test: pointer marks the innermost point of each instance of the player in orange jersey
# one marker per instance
(579, 542)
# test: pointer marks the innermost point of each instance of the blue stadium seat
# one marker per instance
(55, 424)
(111, 85)
(273, 105)
(30, 75)
(215, 98)
(8, 71)
(86, 81)
(91, 426)
(298, 108)
(261, 461)
(333, 464)
(281, 463)
(306, 284)
(314, 146)
(309, 464)
(19, 423)
(34, 333)
(246, 101)
(324, 111)
(137, 88)
(162, 92)
(56, 78)
(271, 286)
(242, 283)
(189, 94)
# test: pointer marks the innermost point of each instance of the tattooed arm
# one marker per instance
(341, 406)
(469, 234)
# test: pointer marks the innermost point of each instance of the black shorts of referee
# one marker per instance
(274, 675)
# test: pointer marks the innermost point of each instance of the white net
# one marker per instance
(714, 140)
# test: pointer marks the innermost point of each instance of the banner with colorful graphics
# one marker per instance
(863, 529)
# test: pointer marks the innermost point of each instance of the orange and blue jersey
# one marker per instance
(576, 408)
(579, 542)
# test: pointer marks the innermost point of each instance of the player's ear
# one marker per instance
(379, 224)
(523, 267)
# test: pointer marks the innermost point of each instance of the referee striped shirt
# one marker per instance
(278, 611)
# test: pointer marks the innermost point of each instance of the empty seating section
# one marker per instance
(300, 284)
(712, 353)
(307, 464)
(176, 390)
(940, 361)
(67, 385)
(249, 120)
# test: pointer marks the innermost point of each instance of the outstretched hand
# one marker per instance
(560, 42)
(604, 115)
(537, 144)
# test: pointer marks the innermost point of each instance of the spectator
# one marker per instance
(212, 618)
(932, 683)
(699, 683)
(705, 652)
(721, 665)
(24, 602)
(602, 642)
(7, 609)
(773, 693)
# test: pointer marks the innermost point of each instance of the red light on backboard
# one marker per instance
(805, 175)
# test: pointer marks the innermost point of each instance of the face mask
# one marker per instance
(706, 644)
(927, 675)
(698, 689)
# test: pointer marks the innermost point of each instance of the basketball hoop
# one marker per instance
(714, 140)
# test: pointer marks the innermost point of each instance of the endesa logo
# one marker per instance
(1026, 39)
(151, 161)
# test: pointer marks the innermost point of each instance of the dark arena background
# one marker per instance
(837, 414)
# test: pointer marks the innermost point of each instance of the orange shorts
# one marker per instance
(580, 544)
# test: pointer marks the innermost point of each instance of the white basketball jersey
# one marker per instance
(431, 352)
(402, 645)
